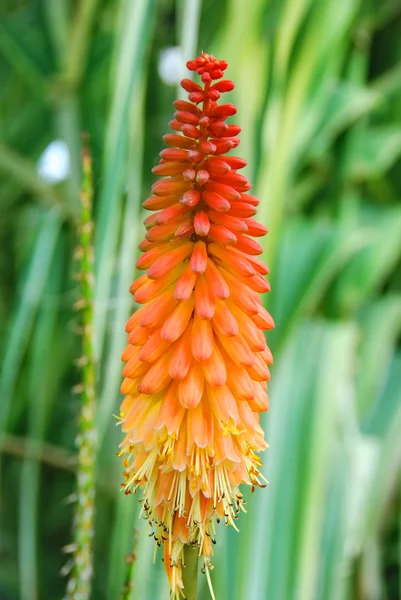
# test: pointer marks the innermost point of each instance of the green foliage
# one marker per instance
(318, 88)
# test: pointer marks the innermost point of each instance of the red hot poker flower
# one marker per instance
(197, 362)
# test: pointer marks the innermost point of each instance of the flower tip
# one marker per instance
(208, 67)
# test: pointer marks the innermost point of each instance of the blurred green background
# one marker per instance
(318, 89)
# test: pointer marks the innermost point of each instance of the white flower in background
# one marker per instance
(54, 163)
(171, 65)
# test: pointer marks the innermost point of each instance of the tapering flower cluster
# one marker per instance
(196, 368)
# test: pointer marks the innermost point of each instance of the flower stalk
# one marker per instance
(80, 580)
(190, 572)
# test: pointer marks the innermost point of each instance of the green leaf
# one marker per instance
(34, 280)
(386, 476)
(331, 586)
(374, 152)
(111, 377)
(24, 48)
(310, 254)
(25, 173)
(369, 268)
(384, 411)
(41, 352)
(135, 22)
(380, 325)
(301, 430)
(123, 531)
(343, 104)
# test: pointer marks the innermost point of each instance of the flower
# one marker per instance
(196, 367)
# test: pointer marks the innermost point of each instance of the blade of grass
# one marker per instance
(310, 255)
(125, 520)
(68, 128)
(126, 265)
(335, 358)
(25, 172)
(56, 14)
(41, 387)
(369, 267)
(21, 61)
(380, 325)
(292, 15)
(246, 24)
(64, 97)
(32, 292)
(189, 13)
(331, 581)
(275, 167)
(79, 41)
(133, 35)
(144, 577)
(125, 508)
(300, 431)
(387, 475)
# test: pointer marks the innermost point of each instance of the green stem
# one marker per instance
(190, 572)
(79, 584)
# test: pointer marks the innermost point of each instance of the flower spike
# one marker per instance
(197, 362)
